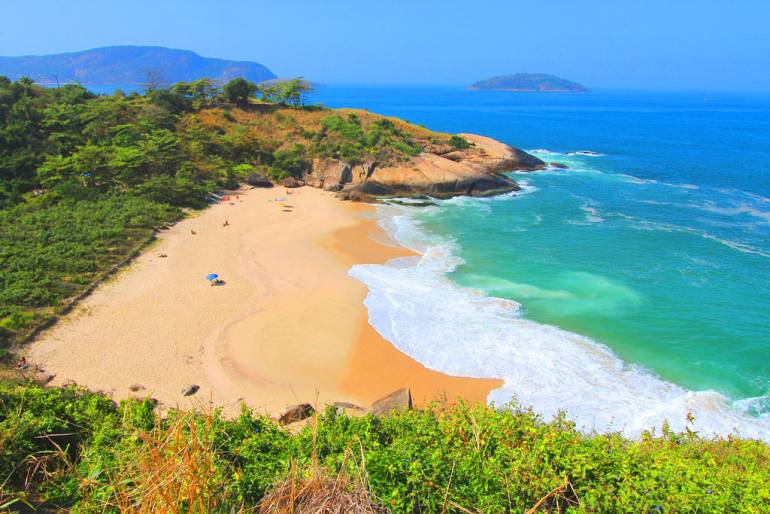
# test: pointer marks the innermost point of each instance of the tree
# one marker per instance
(153, 80)
(201, 92)
(239, 90)
(286, 92)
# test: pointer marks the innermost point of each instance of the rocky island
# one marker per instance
(530, 82)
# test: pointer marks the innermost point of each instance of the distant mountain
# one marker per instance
(129, 65)
(530, 82)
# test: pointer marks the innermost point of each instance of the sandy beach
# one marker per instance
(287, 323)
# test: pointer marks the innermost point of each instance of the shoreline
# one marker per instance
(288, 324)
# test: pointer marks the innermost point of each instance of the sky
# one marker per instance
(604, 44)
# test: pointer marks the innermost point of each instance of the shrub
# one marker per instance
(448, 458)
(459, 142)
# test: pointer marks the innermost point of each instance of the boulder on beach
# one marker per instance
(291, 182)
(343, 407)
(42, 378)
(294, 413)
(398, 400)
(190, 390)
(257, 179)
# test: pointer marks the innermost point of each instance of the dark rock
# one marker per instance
(346, 405)
(294, 413)
(523, 161)
(558, 165)
(190, 389)
(257, 179)
(396, 401)
(135, 388)
(425, 203)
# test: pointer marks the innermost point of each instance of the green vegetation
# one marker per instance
(285, 92)
(347, 139)
(84, 179)
(459, 142)
(71, 448)
(239, 91)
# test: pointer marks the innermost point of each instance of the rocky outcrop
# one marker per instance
(440, 171)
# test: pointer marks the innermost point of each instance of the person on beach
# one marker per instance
(226, 224)
(193, 232)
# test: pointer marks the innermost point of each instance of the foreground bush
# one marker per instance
(69, 448)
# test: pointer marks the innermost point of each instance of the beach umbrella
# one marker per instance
(212, 276)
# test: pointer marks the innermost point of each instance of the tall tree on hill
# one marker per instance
(201, 92)
(153, 80)
(239, 90)
(286, 92)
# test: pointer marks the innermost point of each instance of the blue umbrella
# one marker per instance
(212, 276)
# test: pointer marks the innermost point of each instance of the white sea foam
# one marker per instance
(643, 224)
(544, 151)
(592, 215)
(463, 332)
(644, 181)
(586, 153)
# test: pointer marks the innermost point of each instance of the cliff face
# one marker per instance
(440, 171)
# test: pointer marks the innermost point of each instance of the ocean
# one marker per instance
(629, 290)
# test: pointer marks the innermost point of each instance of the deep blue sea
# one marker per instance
(629, 289)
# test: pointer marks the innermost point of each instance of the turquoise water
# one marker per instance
(631, 288)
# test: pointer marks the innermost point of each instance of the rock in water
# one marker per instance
(395, 401)
(294, 413)
(190, 389)
(558, 165)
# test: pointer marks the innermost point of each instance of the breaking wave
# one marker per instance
(414, 305)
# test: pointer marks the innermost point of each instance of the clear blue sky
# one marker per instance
(639, 44)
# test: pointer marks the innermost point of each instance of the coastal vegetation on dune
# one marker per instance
(72, 449)
(86, 179)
